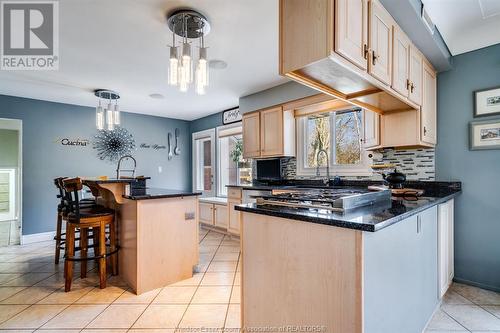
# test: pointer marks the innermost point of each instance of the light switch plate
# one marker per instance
(189, 216)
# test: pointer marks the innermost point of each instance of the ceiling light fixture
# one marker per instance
(109, 117)
(188, 25)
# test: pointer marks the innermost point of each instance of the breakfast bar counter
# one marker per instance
(157, 232)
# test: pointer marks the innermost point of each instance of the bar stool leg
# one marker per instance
(83, 251)
(102, 252)
(95, 245)
(112, 241)
(58, 237)
(70, 252)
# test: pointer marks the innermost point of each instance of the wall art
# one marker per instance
(487, 102)
(485, 134)
(112, 145)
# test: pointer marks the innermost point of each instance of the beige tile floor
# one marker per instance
(32, 296)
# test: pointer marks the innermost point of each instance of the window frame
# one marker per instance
(218, 149)
(361, 169)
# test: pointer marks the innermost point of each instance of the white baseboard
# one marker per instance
(35, 238)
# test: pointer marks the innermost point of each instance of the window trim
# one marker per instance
(217, 144)
(361, 169)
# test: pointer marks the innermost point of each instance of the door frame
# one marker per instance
(210, 134)
(17, 124)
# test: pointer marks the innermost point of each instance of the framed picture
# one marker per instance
(485, 134)
(231, 116)
(487, 102)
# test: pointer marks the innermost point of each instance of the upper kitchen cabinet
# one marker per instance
(429, 105)
(380, 42)
(351, 31)
(342, 48)
(251, 135)
(269, 133)
(415, 75)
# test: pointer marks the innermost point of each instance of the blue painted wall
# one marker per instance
(44, 158)
(477, 210)
(207, 122)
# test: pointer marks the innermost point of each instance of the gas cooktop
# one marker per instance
(329, 199)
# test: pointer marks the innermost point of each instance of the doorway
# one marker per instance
(10, 181)
(204, 162)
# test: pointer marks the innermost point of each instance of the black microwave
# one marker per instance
(269, 169)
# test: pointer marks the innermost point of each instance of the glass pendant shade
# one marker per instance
(173, 68)
(109, 117)
(99, 117)
(187, 64)
(116, 115)
(202, 72)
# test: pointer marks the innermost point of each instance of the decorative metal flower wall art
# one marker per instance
(111, 145)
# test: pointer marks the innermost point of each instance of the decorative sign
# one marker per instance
(152, 146)
(78, 142)
(231, 116)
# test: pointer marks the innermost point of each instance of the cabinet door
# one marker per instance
(380, 42)
(371, 125)
(234, 217)
(206, 213)
(400, 62)
(220, 216)
(428, 114)
(271, 135)
(251, 135)
(416, 63)
(445, 246)
(351, 39)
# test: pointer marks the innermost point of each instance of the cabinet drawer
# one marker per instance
(234, 193)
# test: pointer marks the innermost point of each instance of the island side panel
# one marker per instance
(127, 236)
(301, 274)
(167, 247)
(400, 275)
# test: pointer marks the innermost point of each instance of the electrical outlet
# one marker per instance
(160, 169)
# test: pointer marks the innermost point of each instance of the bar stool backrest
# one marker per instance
(72, 186)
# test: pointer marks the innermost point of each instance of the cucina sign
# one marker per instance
(74, 142)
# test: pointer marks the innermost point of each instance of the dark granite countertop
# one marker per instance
(113, 180)
(158, 193)
(369, 218)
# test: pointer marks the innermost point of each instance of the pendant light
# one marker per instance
(109, 117)
(189, 25)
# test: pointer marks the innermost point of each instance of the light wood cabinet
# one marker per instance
(380, 42)
(415, 75)
(429, 107)
(269, 133)
(220, 216)
(445, 246)
(251, 135)
(206, 213)
(401, 62)
(234, 217)
(351, 31)
(371, 123)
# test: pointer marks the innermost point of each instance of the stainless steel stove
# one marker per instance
(329, 199)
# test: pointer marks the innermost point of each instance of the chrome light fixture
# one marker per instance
(109, 117)
(188, 25)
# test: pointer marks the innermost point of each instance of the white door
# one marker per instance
(204, 162)
(7, 195)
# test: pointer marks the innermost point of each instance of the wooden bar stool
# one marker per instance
(62, 211)
(95, 218)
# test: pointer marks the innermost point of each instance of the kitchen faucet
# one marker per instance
(118, 170)
(327, 165)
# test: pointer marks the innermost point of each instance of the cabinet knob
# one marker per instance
(365, 51)
(425, 130)
(408, 84)
(412, 87)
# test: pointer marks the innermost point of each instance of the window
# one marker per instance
(7, 195)
(335, 137)
(232, 169)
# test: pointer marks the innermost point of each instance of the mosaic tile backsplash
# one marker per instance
(417, 164)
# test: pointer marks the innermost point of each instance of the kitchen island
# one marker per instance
(157, 232)
(373, 270)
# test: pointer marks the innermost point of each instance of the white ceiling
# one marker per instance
(466, 25)
(122, 45)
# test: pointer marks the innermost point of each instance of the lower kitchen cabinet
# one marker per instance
(220, 216)
(206, 213)
(234, 217)
(213, 214)
(445, 246)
